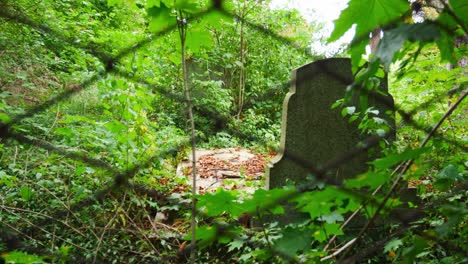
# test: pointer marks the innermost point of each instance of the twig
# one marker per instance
(336, 253)
(105, 230)
(47, 232)
(55, 120)
(53, 239)
(21, 233)
(374, 247)
(42, 215)
(15, 156)
(263, 228)
(446, 115)
(146, 238)
(65, 206)
(154, 223)
(351, 217)
(405, 166)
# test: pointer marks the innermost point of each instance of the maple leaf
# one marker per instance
(367, 15)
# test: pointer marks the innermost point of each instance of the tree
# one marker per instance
(414, 49)
(430, 10)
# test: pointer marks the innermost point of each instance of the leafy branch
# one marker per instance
(405, 168)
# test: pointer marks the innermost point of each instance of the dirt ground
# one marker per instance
(228, 168)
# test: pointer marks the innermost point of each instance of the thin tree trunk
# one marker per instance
(375, 39)
(182, 26)
(241, 91)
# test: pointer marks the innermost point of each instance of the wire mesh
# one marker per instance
(120, 177)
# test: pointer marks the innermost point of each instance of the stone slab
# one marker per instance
(312, 131)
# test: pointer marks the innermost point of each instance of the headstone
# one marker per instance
(313, 132)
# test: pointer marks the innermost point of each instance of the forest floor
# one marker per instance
(227, 168)
(235, 169)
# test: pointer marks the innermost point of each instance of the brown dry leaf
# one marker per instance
(208, 165)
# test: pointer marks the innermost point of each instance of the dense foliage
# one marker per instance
(94, 121)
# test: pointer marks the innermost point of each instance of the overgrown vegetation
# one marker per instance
(94, 121)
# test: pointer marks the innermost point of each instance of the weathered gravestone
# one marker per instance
(315, 136)
(312, 133)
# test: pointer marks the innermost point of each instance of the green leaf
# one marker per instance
(446, 178)
(363, 101)
(80, 170)
(353, 118)
(205, 235)
(198, 38)
(21, 257)
(26, 193)
(318, 203)
(387, 162)
(320, 235)
(380, 73)
(220, 202)
(338, 102)
(460, 8)
(327, 230)
(394, 244)
(333, 229)
(4, 118)
(394, 39)
(116, 127)
(446, 47)
(417, 246)
(236, 244)
(332, 218)
(367, 15)
(344, 112)
(261, 196)
(153, 3)
(232, 232)
(189, 6)
(294, 240)
(356, 51)
(65, 131)
(161, 18)
(175, 58)
(370, 178)
(389, 45)
(350, 110)
(216, 20)
(114, 2)
(445, 43)
(261, 254)
(205, 232)
(7, 180)
(368, 74)
(455, 215)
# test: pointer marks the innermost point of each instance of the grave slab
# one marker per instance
(314, 133)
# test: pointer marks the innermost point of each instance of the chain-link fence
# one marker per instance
(14, 236)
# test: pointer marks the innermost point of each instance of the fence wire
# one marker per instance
(14, 236)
